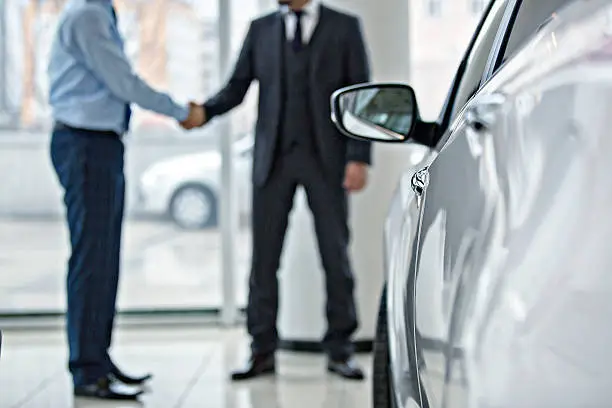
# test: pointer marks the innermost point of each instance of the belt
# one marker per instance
(59, 126)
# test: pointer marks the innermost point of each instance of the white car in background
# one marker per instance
(187, 188)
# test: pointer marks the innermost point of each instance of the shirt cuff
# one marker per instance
(181, 113)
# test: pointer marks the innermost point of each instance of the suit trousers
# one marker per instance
(89, 166)
(272, 204)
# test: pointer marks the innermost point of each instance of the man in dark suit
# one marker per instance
(300, 56)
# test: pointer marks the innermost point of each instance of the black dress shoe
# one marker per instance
(256, 367)
(348, 369)
(107, 389)
(120, 376)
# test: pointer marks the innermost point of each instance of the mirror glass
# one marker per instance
(378, 113)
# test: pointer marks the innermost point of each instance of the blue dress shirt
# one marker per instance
(92, 83)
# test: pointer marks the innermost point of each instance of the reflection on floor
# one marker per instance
(190, 369)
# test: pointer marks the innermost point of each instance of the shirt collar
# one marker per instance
(311, 9)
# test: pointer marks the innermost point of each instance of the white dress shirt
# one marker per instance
(309, 21)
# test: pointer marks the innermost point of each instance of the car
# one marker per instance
(497, 260)
(187, 188)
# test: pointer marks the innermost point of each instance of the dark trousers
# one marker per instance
(89, 166)
(272, 204)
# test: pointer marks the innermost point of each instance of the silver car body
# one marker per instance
(498, 271)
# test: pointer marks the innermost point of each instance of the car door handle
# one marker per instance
(420, 181)
(483, 112)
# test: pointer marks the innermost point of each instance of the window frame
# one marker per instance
(446, 114)
(498, 61)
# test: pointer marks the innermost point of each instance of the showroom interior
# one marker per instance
(186, 256)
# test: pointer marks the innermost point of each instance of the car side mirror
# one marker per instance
(376, 112)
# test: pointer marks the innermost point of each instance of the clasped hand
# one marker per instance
(196, 118)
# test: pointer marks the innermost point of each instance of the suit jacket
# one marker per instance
(338, 59)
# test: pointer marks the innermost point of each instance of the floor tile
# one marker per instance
(27, 367)
(191, 369)
(301, 382)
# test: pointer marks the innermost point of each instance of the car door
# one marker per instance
(459, 196)
(538, 334)
(434, 275)
(402, 221)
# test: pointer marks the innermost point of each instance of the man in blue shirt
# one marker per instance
(92, 86)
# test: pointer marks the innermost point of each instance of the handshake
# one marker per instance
(196, 118)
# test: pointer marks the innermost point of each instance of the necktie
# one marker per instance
(128, 109)
(298, 43)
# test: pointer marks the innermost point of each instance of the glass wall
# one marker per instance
(172, 242)
(172, 247)
(440, 33)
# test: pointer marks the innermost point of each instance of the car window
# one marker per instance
(472, 66)
(477, 61)
(531, 15)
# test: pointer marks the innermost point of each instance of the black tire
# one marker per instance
(207, 221)
(382, 394)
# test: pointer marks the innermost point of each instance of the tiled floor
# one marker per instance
(190, 369)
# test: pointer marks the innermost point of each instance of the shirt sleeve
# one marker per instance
(90, 31)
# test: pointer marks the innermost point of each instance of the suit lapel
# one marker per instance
(275, 39)
(319, 41)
